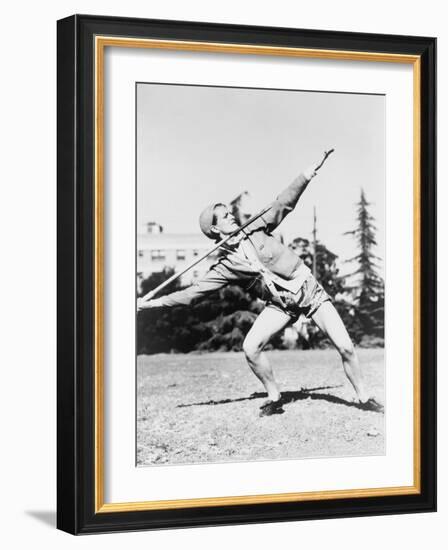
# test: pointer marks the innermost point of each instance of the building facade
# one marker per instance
(157, 251)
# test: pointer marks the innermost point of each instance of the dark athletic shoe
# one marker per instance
(371, 405)
(271, 407)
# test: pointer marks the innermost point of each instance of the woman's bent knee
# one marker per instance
(251, 348)
(346, 350)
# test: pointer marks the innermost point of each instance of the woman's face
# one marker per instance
(225, 221)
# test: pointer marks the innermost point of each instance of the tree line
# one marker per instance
(220, 321)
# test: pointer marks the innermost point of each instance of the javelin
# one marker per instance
(153, 292)
(326, 155)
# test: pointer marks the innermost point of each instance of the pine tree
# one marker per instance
(369, 287)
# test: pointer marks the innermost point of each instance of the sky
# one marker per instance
(197, 145)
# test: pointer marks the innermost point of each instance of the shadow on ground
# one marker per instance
(48, 517)
(291, 397)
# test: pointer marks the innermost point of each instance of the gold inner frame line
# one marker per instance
(101, 42)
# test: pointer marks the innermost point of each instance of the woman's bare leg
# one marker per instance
(330, 323)
(267, 324)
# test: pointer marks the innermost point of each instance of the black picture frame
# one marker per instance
(77, 511)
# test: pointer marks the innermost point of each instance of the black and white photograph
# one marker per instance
(260, 246)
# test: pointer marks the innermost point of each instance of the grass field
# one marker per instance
(205, 408)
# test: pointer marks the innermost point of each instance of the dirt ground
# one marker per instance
(205, 408)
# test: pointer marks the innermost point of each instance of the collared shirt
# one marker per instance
(231, 268)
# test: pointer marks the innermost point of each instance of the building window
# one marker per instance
(157, 254)
(140, 254)
(154, 228)
(181, 254)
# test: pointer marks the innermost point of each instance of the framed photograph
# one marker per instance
(246, 274)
